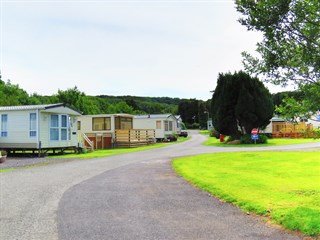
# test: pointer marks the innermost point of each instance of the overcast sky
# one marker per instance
(142, 48)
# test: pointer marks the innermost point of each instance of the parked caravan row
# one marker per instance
(57, 126)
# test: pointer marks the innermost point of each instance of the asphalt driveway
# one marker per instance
(130, 196)
(147, 200)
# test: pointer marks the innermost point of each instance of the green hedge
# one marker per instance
(246, 139)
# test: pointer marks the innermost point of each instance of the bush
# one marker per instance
(246, 139)
(316, 133)
(193, 126)
(214, 133)
(3, 152)
(171, 137)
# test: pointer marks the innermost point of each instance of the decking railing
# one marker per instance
(290, 130)
(134, 137)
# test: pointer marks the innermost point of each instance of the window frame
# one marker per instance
(33, 125)
(61, 129)
(106, 124)
(158, 124)
(4, 125)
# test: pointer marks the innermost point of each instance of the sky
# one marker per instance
(158, 48)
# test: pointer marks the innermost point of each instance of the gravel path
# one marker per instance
(18, 162)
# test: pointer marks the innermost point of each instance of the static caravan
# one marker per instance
(38, 127)
(164, 124)
(98, 131)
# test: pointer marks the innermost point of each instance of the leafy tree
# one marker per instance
(290, 49)
(240, 103)
(11, 94)
(78, 100)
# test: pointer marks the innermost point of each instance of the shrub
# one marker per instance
(214, 133)
(316, 133)
(3, 152)
(171, 137)
(193, 126)
(246, 139)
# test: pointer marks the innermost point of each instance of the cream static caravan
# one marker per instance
(164, 124)
(38, 127)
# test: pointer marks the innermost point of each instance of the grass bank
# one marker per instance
(115, 151)
(212, 141)
(284, 186)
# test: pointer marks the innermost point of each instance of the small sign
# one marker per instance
(254, 131)
(254, 136)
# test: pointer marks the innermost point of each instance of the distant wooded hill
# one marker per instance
(194, 113)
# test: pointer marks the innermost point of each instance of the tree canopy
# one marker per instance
(290, 49)
(240, 103)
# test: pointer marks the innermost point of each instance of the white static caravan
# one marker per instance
(164, 124)
(99, 130)
(37, 127)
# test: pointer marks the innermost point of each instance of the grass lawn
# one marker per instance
(115, 151)
(212, 141)
(284, 186)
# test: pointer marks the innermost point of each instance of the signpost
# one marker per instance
(254, 135)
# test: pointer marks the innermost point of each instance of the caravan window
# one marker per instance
(33, 125)
(158, 125)
(101, 123)
(59, 127)
(4, 125)
(123, 123)
(54, 127)
(64, 127)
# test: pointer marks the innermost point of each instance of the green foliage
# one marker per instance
(246, 139)
(296, 109)
(271, 142)
(290, 49)
(240, 103)
(12, 95)
(194, 111)
(291, 39)
(214, 133)
(251, 181)
(3, 152)
(193, 126)
(316, 133)
(78, 100)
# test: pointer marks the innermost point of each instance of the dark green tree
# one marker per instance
(290, 49)
(240, 103)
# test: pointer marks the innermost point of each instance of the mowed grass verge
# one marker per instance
(212, 141)
(284, 186)
(116, 151)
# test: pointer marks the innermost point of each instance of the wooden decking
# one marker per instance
(290, 130)
(134, 137)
